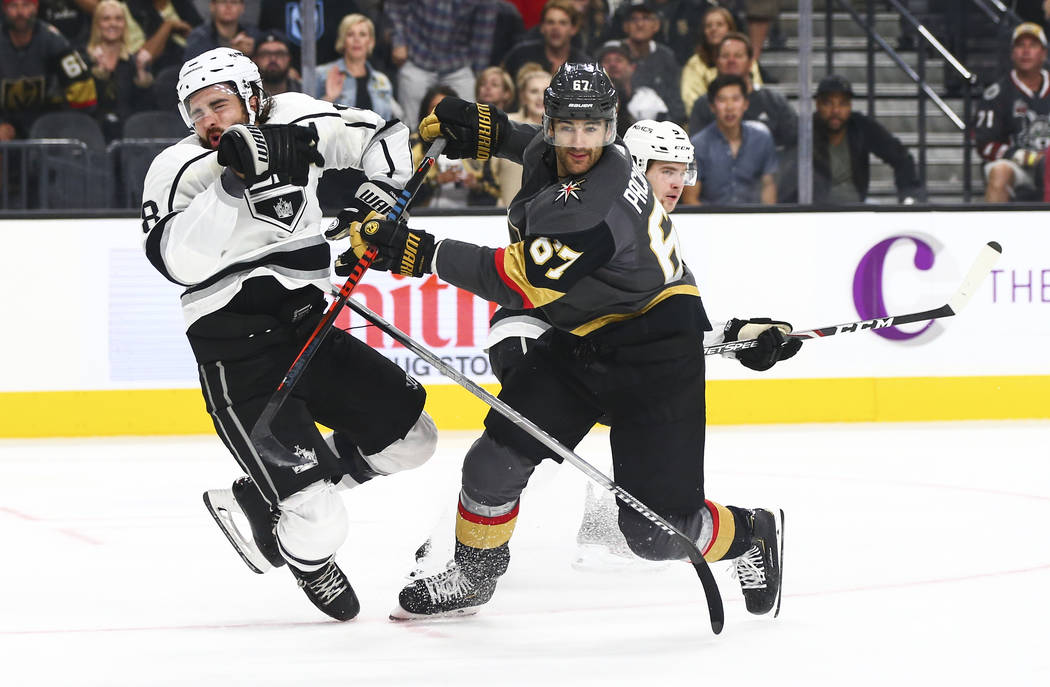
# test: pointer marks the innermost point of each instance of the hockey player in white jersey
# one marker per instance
(231, 214)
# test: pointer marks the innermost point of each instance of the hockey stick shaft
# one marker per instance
(714, 599)
(982, 266)
(261, 434)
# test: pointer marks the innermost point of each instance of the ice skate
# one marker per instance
(329, 590)
(466, 584)
(247, 521)
(759, 569)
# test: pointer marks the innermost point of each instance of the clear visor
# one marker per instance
(210, 100)
(579, 133)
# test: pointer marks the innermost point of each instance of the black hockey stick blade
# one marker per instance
(707, 579)
(980, 269)
(262, 438)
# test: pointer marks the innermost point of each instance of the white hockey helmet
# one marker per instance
(648, 140)
(221, 65)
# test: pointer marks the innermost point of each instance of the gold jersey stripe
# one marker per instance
(514, 268)
(725, 531)
(594, 325)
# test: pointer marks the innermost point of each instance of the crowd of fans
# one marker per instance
(695, 62)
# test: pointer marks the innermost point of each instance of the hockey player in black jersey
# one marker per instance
(599, 257)
(1012, 127)
(231, 214)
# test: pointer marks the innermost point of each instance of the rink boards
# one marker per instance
(95, 341)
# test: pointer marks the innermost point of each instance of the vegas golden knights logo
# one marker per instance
(22, 94)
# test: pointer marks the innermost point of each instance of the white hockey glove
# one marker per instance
(773, 345)
(1026, 158)
(257, 152)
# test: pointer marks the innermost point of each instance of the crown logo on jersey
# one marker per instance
(283, 209)
(571, 188)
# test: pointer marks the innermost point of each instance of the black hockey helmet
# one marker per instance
(580, 91)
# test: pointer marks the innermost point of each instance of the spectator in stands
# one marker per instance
(36, 61)
(284, 16)
(655, 65)
(594, 24)
(493, 87)
(224, 30)
(760, 16)
(681, 22)
(351, 80)
(1013, 121)
(438, 42)
(508, 31)
(273, 56)
(640, 103)
(121, 83)
(842, 142)
(163, 26)
(532, 81)
(764, 105)
(444, 186)
(72, 18)
(736, 159)
(701, 67)
(559, 23)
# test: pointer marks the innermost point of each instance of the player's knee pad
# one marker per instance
(313, 524)
(494, 473)
(650, 542)
(413, 450)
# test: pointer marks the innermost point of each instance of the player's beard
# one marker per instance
(572, 163)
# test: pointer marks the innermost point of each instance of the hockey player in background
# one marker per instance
(600, 258)
(231, 214)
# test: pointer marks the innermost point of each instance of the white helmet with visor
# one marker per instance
(648, 140)
(219, 66)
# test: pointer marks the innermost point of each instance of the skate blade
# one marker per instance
(780, 552)
(224, 519)
(399, 614)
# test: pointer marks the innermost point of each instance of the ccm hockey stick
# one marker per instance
(262, 437)
(714, 599)
(986, 259)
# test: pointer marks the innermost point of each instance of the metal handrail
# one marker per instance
(918, 78)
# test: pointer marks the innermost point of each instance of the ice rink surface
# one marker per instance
(915, 554)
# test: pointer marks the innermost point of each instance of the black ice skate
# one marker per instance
(759, 570)
(256, 544)
(329, 590)
(466, 584)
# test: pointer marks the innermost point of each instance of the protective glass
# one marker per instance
(579, 133)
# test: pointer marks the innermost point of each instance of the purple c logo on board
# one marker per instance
(867, 284)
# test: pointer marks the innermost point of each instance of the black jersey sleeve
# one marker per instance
(529, 273)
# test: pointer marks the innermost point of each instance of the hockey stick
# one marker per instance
(714, 599)
(262, 436)
(986, 259)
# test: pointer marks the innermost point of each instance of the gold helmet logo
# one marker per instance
(371, 227)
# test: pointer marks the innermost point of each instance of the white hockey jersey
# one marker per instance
(201, 237)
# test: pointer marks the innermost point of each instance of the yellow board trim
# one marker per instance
(758, 401)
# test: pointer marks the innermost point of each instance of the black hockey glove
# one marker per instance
(373, 200)
(403, 251)
(472, 130)
(284, 150)
(773, 345)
